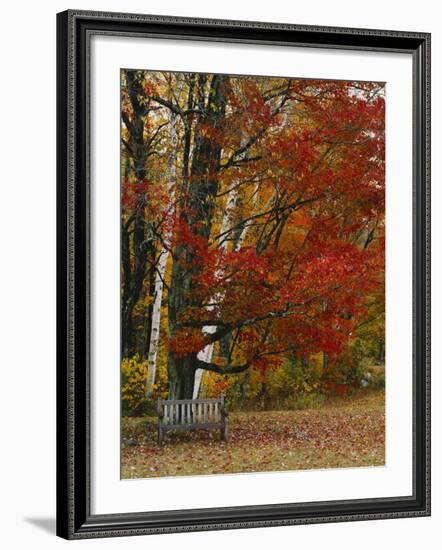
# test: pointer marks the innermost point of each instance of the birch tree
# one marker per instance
(206, 354)
(162, 261)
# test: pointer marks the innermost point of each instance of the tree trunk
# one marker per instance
(133, 281)
(155, 324)
(161, 268)
(197, 213)
(381, 352)
(133, 277)
(207, 353)
(181, 373)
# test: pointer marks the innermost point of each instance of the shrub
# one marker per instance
(133, 386)
(133, 389)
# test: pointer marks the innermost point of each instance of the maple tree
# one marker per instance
(252, 220)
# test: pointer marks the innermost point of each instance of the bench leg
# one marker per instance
(224, 432)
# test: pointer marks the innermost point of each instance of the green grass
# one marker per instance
(341, 433)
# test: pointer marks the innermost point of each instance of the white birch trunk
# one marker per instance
(156, 318)
(161, 269)
(243, 234)
(207, 353)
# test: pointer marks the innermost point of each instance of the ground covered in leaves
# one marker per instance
(343, 433)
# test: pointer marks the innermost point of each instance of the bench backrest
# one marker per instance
(183, 412)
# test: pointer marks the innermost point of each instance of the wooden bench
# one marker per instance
(191, 414)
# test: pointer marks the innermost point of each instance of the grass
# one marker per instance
(341, 433)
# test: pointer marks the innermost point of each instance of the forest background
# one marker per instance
(252, 231)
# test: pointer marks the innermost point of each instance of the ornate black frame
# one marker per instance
(74, 519)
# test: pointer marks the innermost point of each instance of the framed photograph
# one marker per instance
(243, 274)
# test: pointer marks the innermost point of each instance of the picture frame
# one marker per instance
(75, 518)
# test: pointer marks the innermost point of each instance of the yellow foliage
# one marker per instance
(133, 384)
(133, 380)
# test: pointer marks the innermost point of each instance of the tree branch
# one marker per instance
(229, 369)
